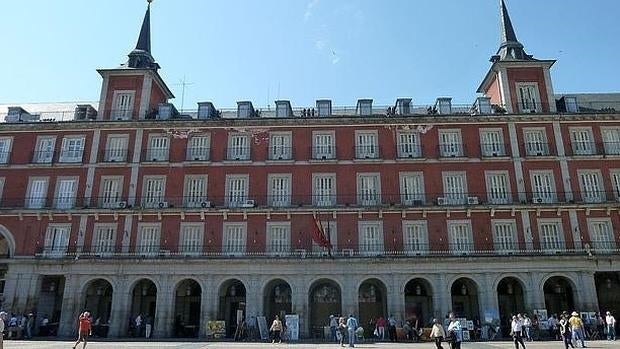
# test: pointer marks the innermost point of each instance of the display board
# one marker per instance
(292, 326)
(262, 327)
(216, 329)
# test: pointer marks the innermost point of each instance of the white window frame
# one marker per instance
(54, 245)
(110, 201)
(72, 155)
(492, 147)
(6, 145)
(504, 244)
(2, 180)
(412, 196)
(545, 196)
(614, 177)
(193, 197)
(454, 196)
(152, 245)
(369, 196)
(126, 111)
(44, 156)
(548, 246)
(607, 245)
(151, 200)
(100, 244)
(282, 199)
(450, 148)
(494, 195)
(162, 151)
(62, 201)
(528, 104)
(418, 245)
(190, 245)
(536, 141)
(321, 195)
(238, 150)
(408, 144)
(581, 146)
(587, 195)
(367, 144)
(611, 140)
(457, 245)
(229, 246)
(113, 153)
(282, 151)
(238, 199)
(370, 248)
(278, 246)
(199, 147)
(41, 201)
(324, 151)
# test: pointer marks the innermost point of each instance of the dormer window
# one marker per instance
(444, 105)
(206, 110)
(483, 105)
(403, 106)
(570, 104)
(283, 109)
(166, 111)
(245, 109)
(364, 107)
(123, 105)
(324, 106)
(528, 97)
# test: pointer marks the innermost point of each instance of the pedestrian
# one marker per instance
(43, 326)
(333, 324)
(381, 327)
(2, 318)
(148, 327)
(576, 325)
(138, 325)
(553, 327)
(565, 332)
(516, 328)
(351, 327)
(84, 329)
(342, 330)
(610, 324)
(276, 330)
(29, 325)
(392, 328)
(454, 332)
(527, 325)
(437, 334)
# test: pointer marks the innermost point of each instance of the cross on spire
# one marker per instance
(141, 56)
(510, 48)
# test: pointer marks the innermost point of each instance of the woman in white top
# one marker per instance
(516, 329)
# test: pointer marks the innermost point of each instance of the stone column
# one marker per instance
(350, 302)
(71, 300)
(535, 296)
(395, 297)
(442, 299)
(253, 296)
(300, 297)
(119, 317)
(489, 303)
(585, 294)
(208, 304)
(162, 322)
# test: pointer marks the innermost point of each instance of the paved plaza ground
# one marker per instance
(231, 345)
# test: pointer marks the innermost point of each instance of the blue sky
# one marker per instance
(301, 49)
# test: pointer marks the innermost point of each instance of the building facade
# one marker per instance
(129, 207)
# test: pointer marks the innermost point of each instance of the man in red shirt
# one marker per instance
(84, 329)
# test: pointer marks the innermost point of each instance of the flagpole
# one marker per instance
(329, 242)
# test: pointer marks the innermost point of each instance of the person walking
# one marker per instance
(454, 332)
(437, 334)
(29, 325)
(2, 318)
(381, 327)
(138, 325)
(527, 325)
(342, 330)
(351, 327)
(276, 330)
(392, 328)
(84, 329)
(565, 332)
(576, 325)
(516, 328)
(610, 325)
(333, 325)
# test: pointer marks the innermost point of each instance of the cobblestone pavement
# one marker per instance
(231, 345)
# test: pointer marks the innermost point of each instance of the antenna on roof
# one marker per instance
(184, 84)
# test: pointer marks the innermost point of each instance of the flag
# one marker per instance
(318, 235)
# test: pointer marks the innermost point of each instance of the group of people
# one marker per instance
(345, 329)
(141, 326)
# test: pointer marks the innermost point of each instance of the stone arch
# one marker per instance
(418, 297)
(324, 299)
(97, 296)
(5, 234)
(143, 295)
(372, 303)
(560, 293)
(464, 292)
(511, 294)
(187, 306)
(232, 294)
(277, 298)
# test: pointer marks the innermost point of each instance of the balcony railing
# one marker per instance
(493, 150)
(198, 154)
(326, 152)
(367, 152)
(238, 153)
(410, 151)
(538, 149)
(155, 154)
(306, 249)
(453, 150)
(113, 155)
(280, 153)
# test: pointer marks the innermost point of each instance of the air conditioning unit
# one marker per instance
(163, 204)
(417, 202)
(122, 204)
(248, 204)
(348, 252)
(441, 201)
(300, 252)
(472, 200)
(205, 204)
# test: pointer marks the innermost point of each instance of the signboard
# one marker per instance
(216, 329)
(542, 314)
(292, 326)
(262, 327)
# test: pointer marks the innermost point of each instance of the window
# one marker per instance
(370, 238)
(153, 191)
(415, 237)
(601, 235)
(280, 146)
(110, 192)
(72, 149)
(368, 189)
(324, 107)
(44, 152)
(615, 182)
(148, 239)
(123, 105)
(238, 147)
(366, 146)
(611, 141)
(244, 109)
(412, 188)
(104, 238)
(492, 143)
(536, 142)
(364, 107)
(543, 187)
(37, 192)
(195, 192)
(324, 189)
(454, 188)
(409, 145)
(324, 145)
(528, 98)
(571, 104)
(2, 179)
(5, 149)
(591, 186)
(198, 148)
(504, 236)
(278, 238)
(158, 148)
(581, 141)
(551, 236)
(498, 188)
(283, 109)
(191, 238)
(460, 237)
(279, 187)
(234, 238)
(116, 149)
(236, 190)
(450, 143)
(57, 240)
(331, 232)
(65, 193)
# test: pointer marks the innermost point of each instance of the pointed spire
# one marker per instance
(510, 48)
(141, 56)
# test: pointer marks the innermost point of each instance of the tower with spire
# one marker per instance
(135, 89)
(517, 81)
